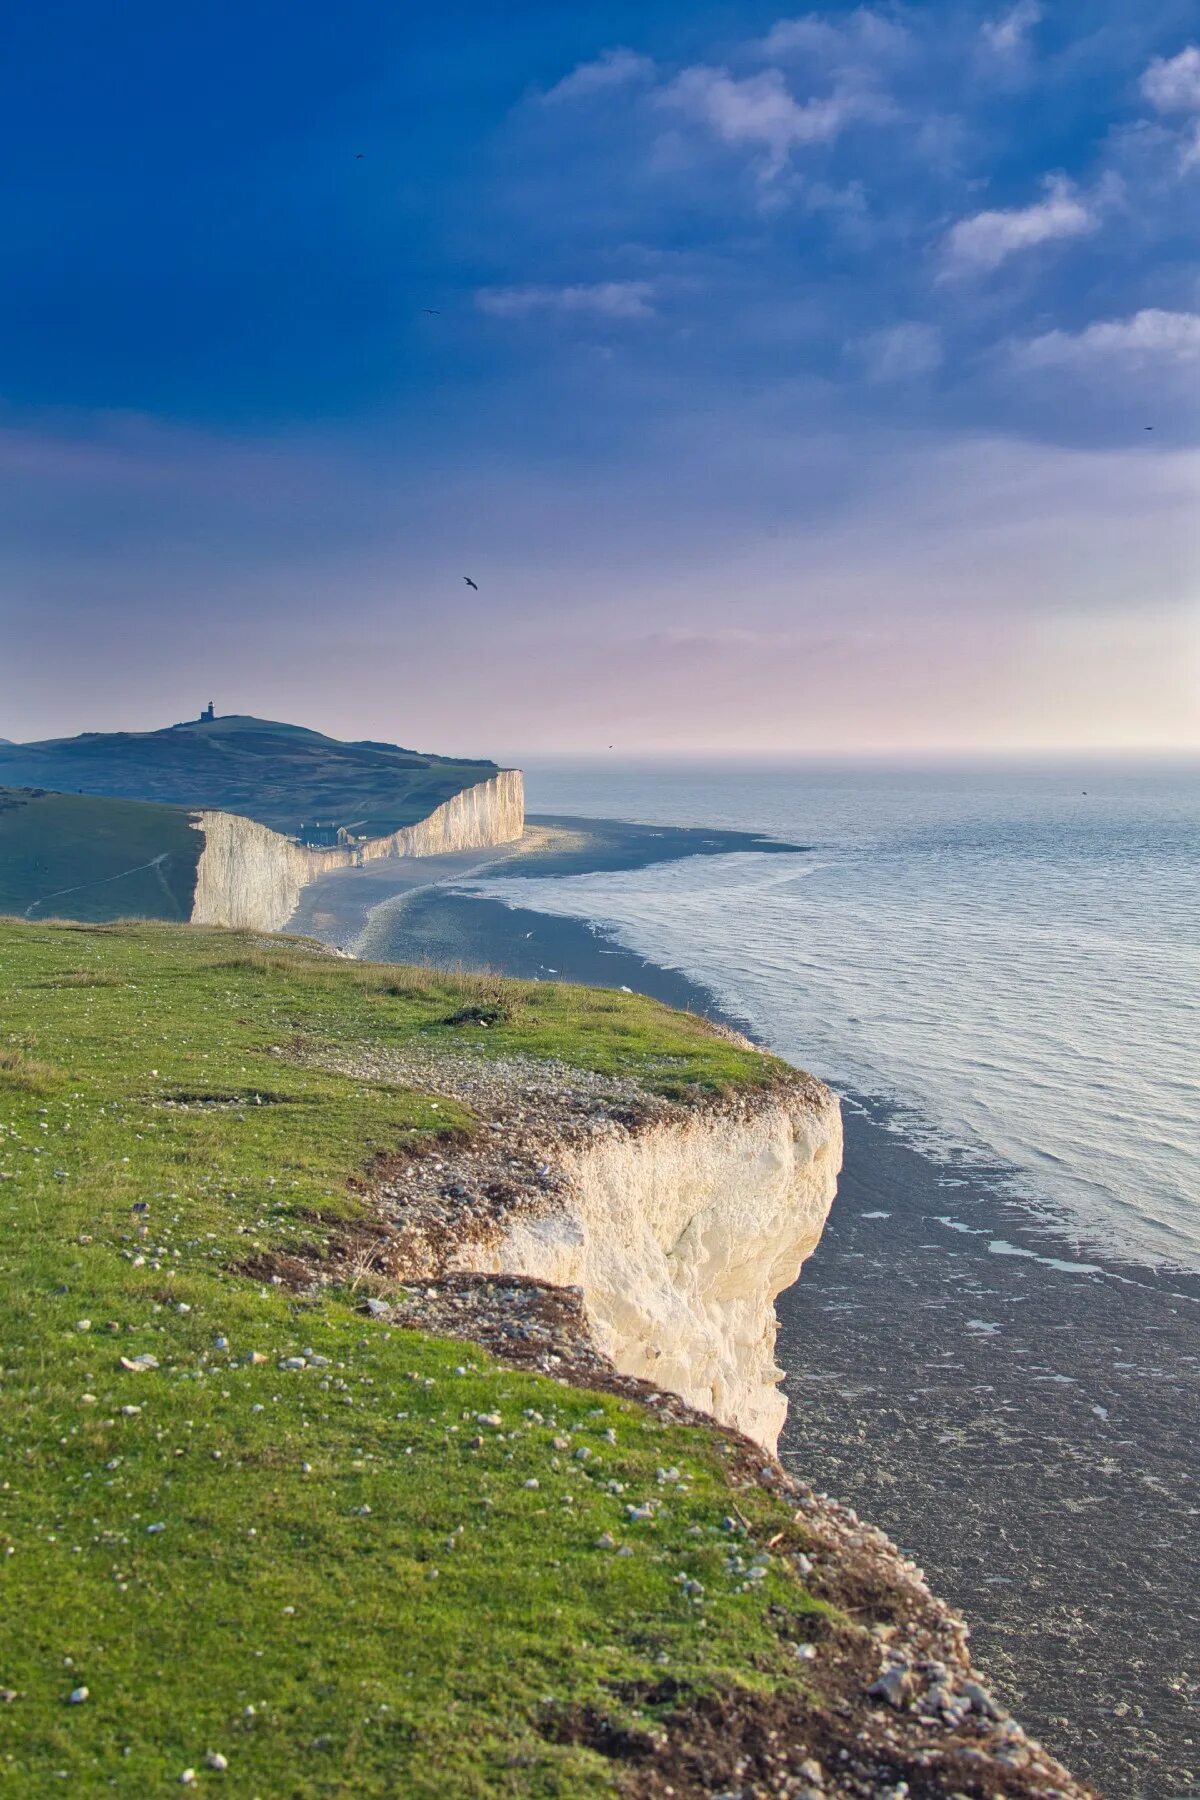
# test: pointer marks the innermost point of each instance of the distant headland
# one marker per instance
(224, 819)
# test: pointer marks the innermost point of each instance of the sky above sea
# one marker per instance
(785, 380)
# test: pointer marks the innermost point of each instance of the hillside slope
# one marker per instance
(280, 775)
(82, 858)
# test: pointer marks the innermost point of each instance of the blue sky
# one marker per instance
(782, 377)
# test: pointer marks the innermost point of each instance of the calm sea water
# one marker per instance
(1011, 961)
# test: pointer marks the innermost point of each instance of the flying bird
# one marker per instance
(358, 156)
(470, 583)
(431, 312)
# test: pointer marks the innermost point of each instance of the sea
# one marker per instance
(1006, 954)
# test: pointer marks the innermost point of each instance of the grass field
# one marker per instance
(90, 859)
(384, 1572)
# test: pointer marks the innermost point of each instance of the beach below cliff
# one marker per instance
(359, 910)
(1013, 1411)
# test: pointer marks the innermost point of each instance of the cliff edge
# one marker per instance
(677, 1221)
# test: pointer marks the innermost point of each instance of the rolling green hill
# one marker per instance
(85, 858)
(281, 775)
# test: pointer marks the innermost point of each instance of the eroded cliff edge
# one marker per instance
(251, 877)
(680, 1237)
(678, 1222)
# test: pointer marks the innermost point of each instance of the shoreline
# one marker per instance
(356, 909)
(1009, 1409)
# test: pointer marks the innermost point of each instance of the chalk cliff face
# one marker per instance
(681, 1235)
(491, 812)
(250, 876)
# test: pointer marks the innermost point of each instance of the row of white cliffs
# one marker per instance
(681, 1234)
(251, 877)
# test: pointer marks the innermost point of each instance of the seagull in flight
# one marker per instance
(431, 312)
(470, 583)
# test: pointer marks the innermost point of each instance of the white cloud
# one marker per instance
(987, 239)
(599, 299)
(1172, 84)
(864, 37)
(758, 112)
(903, 352)
(612, 69)
(1007, 36)
(1152, 335)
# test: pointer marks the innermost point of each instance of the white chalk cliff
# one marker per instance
(251, 877)
(681, 1234)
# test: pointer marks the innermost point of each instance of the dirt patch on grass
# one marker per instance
(81, 978)
(214, 1100)
(25, 1073)
(488, 1012)
(278, 1268)
(735, 1742)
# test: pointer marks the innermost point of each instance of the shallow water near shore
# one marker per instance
(1008, 956)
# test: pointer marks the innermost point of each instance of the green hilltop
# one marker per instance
(282, 775)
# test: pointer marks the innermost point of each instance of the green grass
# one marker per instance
(86, 858)
(413, 1649)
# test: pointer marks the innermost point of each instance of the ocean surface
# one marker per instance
(1008, 955)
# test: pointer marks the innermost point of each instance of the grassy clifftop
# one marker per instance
(259, 1528)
